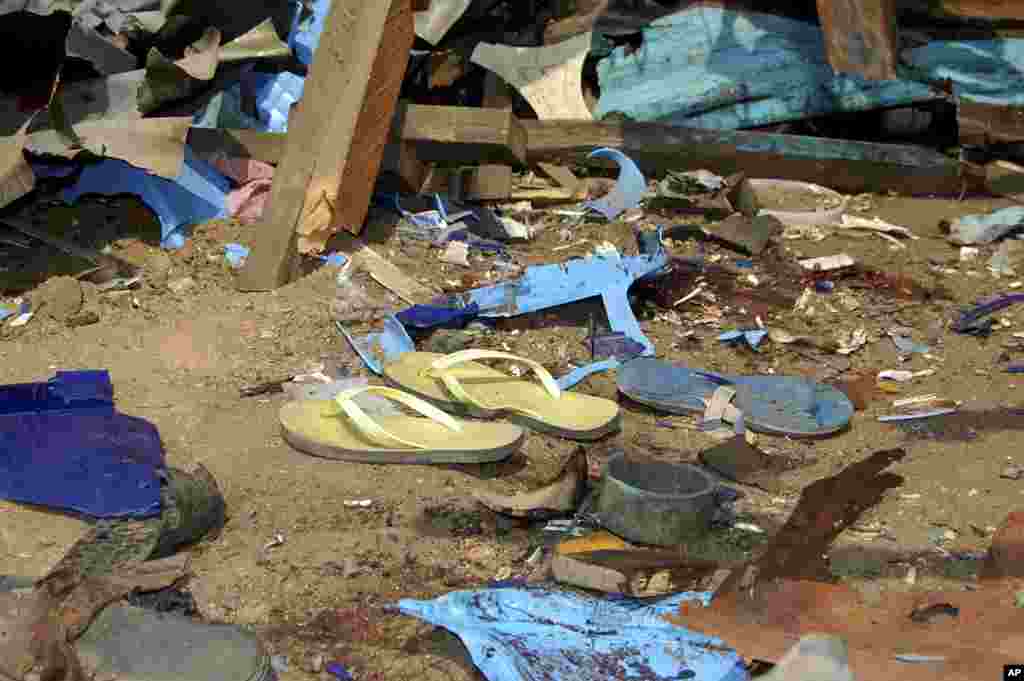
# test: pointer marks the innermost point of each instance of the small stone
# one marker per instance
(180, 286)
(279, 663)
(83, 318)
(1012, 472)
(59, 298)
(315, 664)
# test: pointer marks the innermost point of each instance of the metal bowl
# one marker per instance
(652, 502)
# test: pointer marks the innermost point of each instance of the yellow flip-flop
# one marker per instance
(340, 429)
(459, 384)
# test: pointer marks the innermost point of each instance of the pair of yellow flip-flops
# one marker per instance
(437, 386)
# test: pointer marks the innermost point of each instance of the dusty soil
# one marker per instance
(179, 360)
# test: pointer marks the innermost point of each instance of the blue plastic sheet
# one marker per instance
(535, 634)
(63, 446)
(305, 33)
(724, 68)
(197, 195)
(390, 342)
(628, 190)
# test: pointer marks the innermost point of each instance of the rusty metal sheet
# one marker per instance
(763, 608)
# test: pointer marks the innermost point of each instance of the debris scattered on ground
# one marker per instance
(738, 275)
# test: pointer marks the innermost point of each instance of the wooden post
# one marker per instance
(860, 36)
(492, 181)
(336, 137)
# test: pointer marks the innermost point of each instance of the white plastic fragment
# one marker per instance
(456, 253)
(828, 263)
(813, 217)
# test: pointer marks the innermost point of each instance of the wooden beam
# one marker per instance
(337, 134)
(464, 134)
(439, 133)
(860, 36)
(852, 167)
(988, 10)
(492, 182)
(984, 124)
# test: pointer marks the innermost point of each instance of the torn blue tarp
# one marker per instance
(752, 337)
(275, 94)
(628, 190)
(64, 446)
(307, 26)
(197, 195)
(386, 344)
(982, 71)
(716, 68)
(528, 634)
(546, 286)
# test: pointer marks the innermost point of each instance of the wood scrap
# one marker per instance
(336, 139)
(860, 36)
(384, 272)
(16, 176)
(492, 181)
(458, 133)
(154, 144)
(985, 124)
(564, 178)
(549, 78)
(852, 167)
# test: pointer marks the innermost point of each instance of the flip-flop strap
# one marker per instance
(373, 430)
(439, 369)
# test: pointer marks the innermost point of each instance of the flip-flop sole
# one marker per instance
(405, 373)
(295, 426)
(779, 405)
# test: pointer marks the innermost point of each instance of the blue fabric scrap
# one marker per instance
(522, 634)
(64, 446)
(197, 195)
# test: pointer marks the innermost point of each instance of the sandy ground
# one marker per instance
(179, 359)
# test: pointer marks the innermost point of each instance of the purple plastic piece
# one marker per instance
(972, 321)
(338, 671)
(64, 446)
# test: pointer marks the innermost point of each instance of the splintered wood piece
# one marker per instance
(336, 138)
(549, 78)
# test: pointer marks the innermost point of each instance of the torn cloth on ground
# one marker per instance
(196, 195)
(64, 446)
(254, 179)
(520, 634)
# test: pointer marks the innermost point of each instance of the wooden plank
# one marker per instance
(984, 124)
(438, 133)
(852, 167)
(561, 175)
(337, 134)
(860, 36)
(989, 10)
(464, 134)
(492, 182)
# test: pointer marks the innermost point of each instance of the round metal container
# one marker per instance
(651, 502)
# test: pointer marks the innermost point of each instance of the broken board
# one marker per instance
(852, 167)
(336, 139)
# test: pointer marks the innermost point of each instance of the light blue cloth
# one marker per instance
(196, 195)
(534, 634)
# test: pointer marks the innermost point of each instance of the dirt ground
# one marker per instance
(179, 359)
